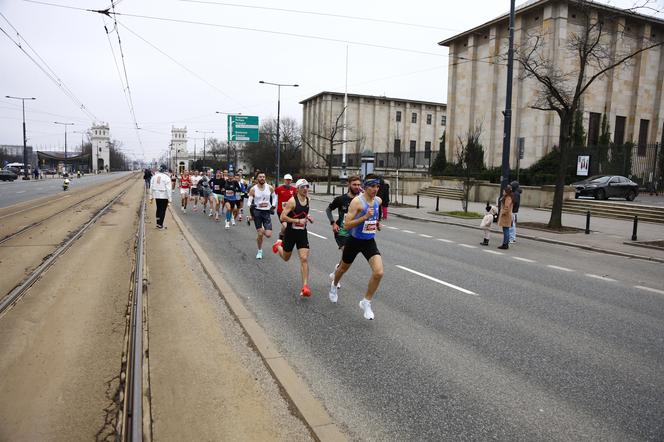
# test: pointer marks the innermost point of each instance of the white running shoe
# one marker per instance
(332, 275)
(209, 214)
(239, 217)
(365, 305)
(232, 221)
(182, 208)
(259, 254)
(227, 226)
(333, 290)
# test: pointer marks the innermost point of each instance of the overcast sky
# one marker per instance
(215, 66)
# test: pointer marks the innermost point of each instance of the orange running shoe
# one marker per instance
(305, 292)
(275, 247)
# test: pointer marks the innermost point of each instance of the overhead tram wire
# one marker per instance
(45, 68)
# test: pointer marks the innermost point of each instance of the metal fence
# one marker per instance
(389, 160)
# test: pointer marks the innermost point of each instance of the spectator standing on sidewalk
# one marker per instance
(147, 176)
(384, 195)
(487, 221)
(516, 196)
(160, 190)
(505, 216)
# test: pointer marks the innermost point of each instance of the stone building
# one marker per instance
(399, 133)
(101, 151)
(179, 158)
(631, 95)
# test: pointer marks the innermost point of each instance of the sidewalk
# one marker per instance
(606, 235)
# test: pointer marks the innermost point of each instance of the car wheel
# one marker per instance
(600, 194)
(576, 196)
(630, 195)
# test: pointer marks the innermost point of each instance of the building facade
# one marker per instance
(399, 133)
(101, 151)
(179, 158)
(631, 95)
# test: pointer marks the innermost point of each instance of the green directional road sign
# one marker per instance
(242, 128)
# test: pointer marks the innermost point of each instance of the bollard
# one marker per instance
(418, 200)
(314, 186)
(437, 201)
(588, 222)
(334, 190)
(636, 225)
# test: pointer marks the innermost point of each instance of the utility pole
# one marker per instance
(25, 139)
(344, 173)
(507, 130)
(228, 136)
(65, 125)
(204, 132)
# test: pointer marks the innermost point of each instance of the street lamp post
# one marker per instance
(204, 132)
(65, 125)
(228, 136)
(278, 85)
(25, 140)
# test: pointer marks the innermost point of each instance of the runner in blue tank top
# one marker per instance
(362, 223)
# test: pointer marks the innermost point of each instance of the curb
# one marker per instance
(310, 410)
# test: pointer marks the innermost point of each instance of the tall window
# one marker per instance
(397, 146)
(413, 144)
(643, 137)
(427, 149)
(593, 128)
(619, 132)
(443, 120)
(413, 118)
(398, 116)
(428, 118)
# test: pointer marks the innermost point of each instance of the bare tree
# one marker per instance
(470, 160)
(593, 55)
(331, 134)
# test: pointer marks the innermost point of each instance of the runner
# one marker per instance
(185, 185)
(217, 185)
(362, 223)
(204, 189)
(231, 195)
(244, 193)
(284, 193)
(341, 204)
(296, 215)
(195, 178)
(262, 202)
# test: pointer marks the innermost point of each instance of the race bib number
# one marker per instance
(298, 226)
(230, 193)
(370, 226)
(217, 187)
(263, 205)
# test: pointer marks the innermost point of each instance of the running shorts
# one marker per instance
(194, 191)
(233, 204)
(262, 219)
(297, 238)
(184, 191)
(340, 239)
(354, 246)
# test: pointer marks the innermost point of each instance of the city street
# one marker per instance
(12, 192)
(536, 342)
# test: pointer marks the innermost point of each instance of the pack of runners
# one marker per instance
(354, 229)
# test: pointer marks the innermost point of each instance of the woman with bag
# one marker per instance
(505, 216)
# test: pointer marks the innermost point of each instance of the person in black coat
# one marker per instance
(384, 194)
(516, 195)
(147, 176)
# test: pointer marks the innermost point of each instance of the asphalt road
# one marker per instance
(12, 192)
(539, 342)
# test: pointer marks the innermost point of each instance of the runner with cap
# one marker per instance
(296, 215)
(362, 222)
(284, 193)
(262, 202)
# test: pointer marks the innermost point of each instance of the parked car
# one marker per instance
(49, 172)
(602, 187)
(7, 175)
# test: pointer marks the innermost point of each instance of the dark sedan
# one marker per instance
(7, 175)
(602, 187)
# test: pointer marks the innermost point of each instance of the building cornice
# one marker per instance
(375, 97)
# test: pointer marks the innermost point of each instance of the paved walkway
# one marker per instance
(606, 235)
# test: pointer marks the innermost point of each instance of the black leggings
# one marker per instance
(162, 204)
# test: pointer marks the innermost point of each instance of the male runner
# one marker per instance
(262, 202)
(244, 193)
(231, 195)
(296, 215)
(217, 185)
(284, 193)
(362, 222)
(185, 185)
(341, 203)
(204, 189)
(195, 178)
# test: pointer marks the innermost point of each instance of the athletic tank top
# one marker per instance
(262, 198)
(300, 212)
(185, 182)
(367, 229)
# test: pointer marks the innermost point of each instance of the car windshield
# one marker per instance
(599, 179)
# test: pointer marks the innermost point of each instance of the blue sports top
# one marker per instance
(367, 229)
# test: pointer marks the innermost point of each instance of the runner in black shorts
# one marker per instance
(262, 202)
(296, 214)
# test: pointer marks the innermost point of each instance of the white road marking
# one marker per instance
(604, 278)
(446, 240)
(661, 292)
(493, 252)
(425, 236)
(564, 269)
(391, 227)
(316, 234)
(431, 278)
(468, 246)
(523, 259)
(21, 191)
(407, 231)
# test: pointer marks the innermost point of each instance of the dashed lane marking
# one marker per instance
(407, 231)
(493, 252)
(661, 292)
(425, 236)
(468, 246)
(523, 259)
(445, 240)
(21, 191)
(316, 234)
(431, 278)
(603, 278)
(564, 269)
(392, 227)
